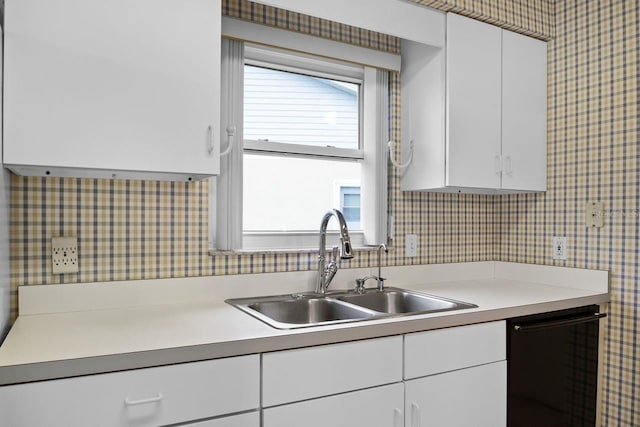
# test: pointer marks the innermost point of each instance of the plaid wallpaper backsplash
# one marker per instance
(144, 229)
(593, 156)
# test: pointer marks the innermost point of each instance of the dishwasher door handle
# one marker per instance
(534, 326)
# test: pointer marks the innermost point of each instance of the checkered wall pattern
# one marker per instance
(141, 229)
(130, 230)
(593, 155)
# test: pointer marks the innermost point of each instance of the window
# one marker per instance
(302, 134)
(304, 122)
(350, 206)
(296, 108)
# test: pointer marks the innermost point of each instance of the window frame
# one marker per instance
(300, 63)
(224, 204)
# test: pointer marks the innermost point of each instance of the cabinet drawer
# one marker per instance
(145, 397)
(293, 375)
(374, 407)
(442, 350)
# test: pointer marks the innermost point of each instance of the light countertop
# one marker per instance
(71, 330)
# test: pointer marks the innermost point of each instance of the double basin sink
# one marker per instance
(304, 310)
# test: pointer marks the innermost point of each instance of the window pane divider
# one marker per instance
(280, 148)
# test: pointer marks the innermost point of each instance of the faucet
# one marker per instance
(360, 282)
(327, 271)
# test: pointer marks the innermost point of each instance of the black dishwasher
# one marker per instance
(552, 368)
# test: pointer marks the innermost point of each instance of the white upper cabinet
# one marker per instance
(476, 111)
(124, 88)
(524, 112)
(473, 87)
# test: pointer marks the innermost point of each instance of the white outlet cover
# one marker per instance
(64, 255)
(559, 247)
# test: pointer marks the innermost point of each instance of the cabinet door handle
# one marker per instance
(415, 415)
(497, 164)
(507, 165)
(210, 140)
(397, 418)
(156, 398)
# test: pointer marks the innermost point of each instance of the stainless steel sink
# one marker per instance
(395, 301)
(296, 311)
(304, 310)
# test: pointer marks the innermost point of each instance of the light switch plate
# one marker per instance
(64, 255)
(594, 214)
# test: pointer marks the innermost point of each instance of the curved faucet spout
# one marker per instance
(326, 272)
(345, 240)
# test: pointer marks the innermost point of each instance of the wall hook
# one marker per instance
(231, 132)
(395, 163)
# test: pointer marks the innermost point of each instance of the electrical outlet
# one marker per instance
(559, 247)
(411, 245)
(64, 255)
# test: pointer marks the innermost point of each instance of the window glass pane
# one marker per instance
(351, 200)
(291, 193)
(281, 106)
(351, 214)
(350, 206)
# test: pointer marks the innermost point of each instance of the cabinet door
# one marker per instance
(472, 397)
(374, 407)
(524, 112)
(114, 85)
(473, 82)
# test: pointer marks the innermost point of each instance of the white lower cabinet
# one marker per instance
(373, 407)
(456, 377)
(452, 377)
(293, 375)
(443, 350)
(140, 398)
(471, 397)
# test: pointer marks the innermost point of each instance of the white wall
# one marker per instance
(4, 237)
(4, 252)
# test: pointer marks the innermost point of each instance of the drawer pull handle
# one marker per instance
(156, 398)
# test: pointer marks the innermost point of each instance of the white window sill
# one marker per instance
(216, 252)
